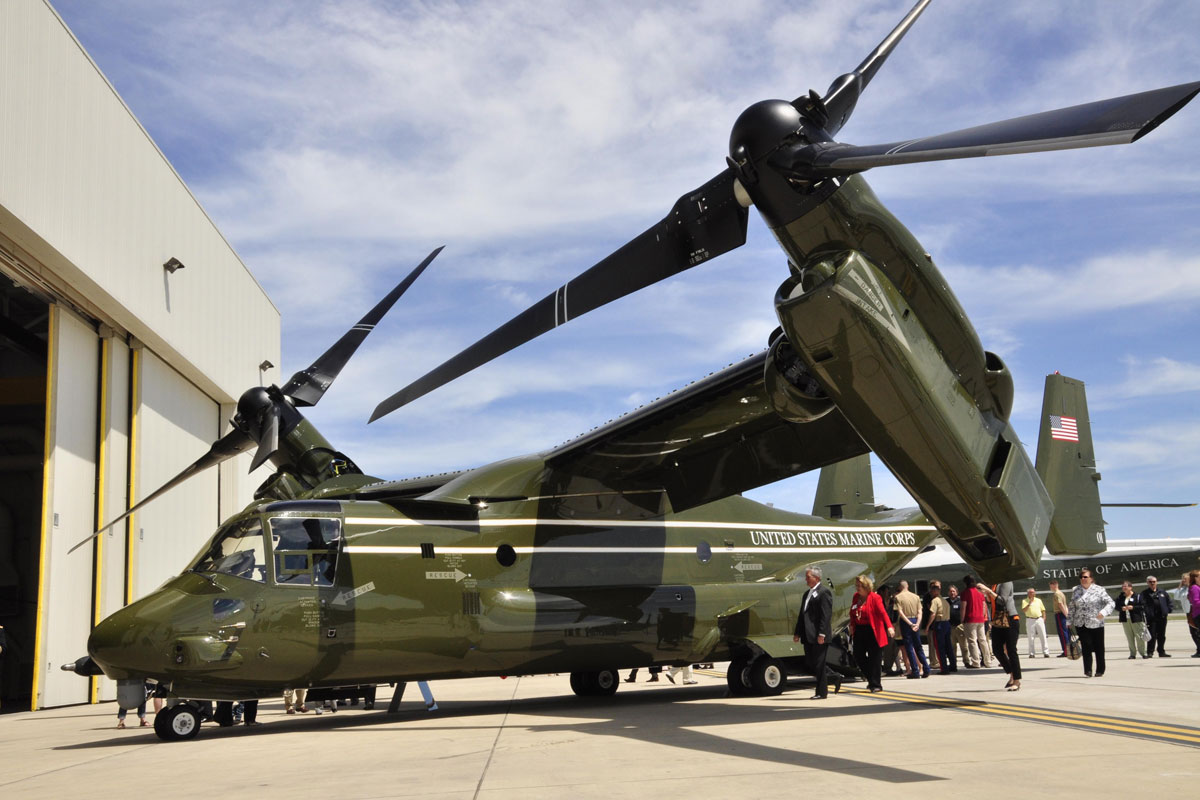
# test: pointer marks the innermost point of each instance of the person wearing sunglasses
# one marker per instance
(1090, 604)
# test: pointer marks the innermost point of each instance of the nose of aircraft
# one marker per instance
(114, 645)
(132, 642)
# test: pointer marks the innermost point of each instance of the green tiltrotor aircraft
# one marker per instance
(629, 546)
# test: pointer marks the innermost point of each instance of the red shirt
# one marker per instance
(871, 613)
(973, 605)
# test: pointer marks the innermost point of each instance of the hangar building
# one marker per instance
(128, 329)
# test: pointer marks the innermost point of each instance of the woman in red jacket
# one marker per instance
(870, 629)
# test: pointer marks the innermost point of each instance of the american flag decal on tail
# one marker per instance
(1064, 429)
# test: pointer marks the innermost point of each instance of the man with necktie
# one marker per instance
(813, 628)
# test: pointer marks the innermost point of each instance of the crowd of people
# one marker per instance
(982, 625)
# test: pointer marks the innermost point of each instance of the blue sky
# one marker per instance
(335, 144)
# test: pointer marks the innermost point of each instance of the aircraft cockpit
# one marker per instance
(238, 549)
(303, 550)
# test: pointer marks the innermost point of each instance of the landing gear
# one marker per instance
(601, 683)
(177, 723)
(739, 686)
(766, 676)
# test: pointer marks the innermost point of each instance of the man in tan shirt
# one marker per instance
(1060, 617)
(909, 624)
(938, 629)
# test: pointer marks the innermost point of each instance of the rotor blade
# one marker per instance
(1148, 505)
(228, 446)
(268, 440)
(843, 93)
(1119, 120)
(307, 386)
(702, 225)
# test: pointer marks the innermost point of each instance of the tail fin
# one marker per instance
(1067, 466)
(845, 490)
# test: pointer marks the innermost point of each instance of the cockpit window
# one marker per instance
(237, 551)
(305, 549)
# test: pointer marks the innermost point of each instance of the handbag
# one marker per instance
(1146, 634)
(1074, 649)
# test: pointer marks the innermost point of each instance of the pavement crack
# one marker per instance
(499, 730)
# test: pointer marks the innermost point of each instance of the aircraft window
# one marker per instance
(238, 551)
(305, 550)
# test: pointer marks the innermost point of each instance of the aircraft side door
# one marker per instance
(304, 554)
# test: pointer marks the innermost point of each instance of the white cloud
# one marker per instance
(1027, 292)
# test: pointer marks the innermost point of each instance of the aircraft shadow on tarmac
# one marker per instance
(636, 715)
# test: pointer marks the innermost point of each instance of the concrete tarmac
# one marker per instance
(1137, 729)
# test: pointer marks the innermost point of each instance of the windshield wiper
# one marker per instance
(206, 577)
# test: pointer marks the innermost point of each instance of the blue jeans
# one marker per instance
(912, 645)
(946, 654)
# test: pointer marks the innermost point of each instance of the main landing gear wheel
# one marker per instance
(601, 683)
(766, 676)
(177, 723)
(736, 677)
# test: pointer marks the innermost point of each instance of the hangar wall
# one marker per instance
(143, 365)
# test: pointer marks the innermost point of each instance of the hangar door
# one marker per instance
(68, 509)
(175, 424)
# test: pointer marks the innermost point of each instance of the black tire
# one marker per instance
(766, 676)
(736, 677)
(605, 682)
(580, 684)
(177, 723)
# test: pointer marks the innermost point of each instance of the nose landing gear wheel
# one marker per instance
(177, 723)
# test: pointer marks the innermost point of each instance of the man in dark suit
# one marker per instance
(813, 628)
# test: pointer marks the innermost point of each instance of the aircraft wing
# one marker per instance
(715, 438)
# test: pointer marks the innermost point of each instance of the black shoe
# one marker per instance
(1087, 674)
(1164, 655)
(1196, 654)
(913, 677)
(925, 674)
(1099, 674)
(837, 685)
(819, 697)
(654, 679)
(875, 689)
(1131, 658)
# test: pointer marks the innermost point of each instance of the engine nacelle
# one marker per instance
(999, 382)
(793, 391)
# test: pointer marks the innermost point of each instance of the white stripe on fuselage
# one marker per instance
(626, 523)
(547, 550)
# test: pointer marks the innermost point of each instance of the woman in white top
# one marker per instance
(1090, 604)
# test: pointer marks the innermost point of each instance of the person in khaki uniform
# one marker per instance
(909, 606)
(938, 629)
(1061, 612)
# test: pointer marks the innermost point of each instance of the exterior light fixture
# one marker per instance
(172, 265)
